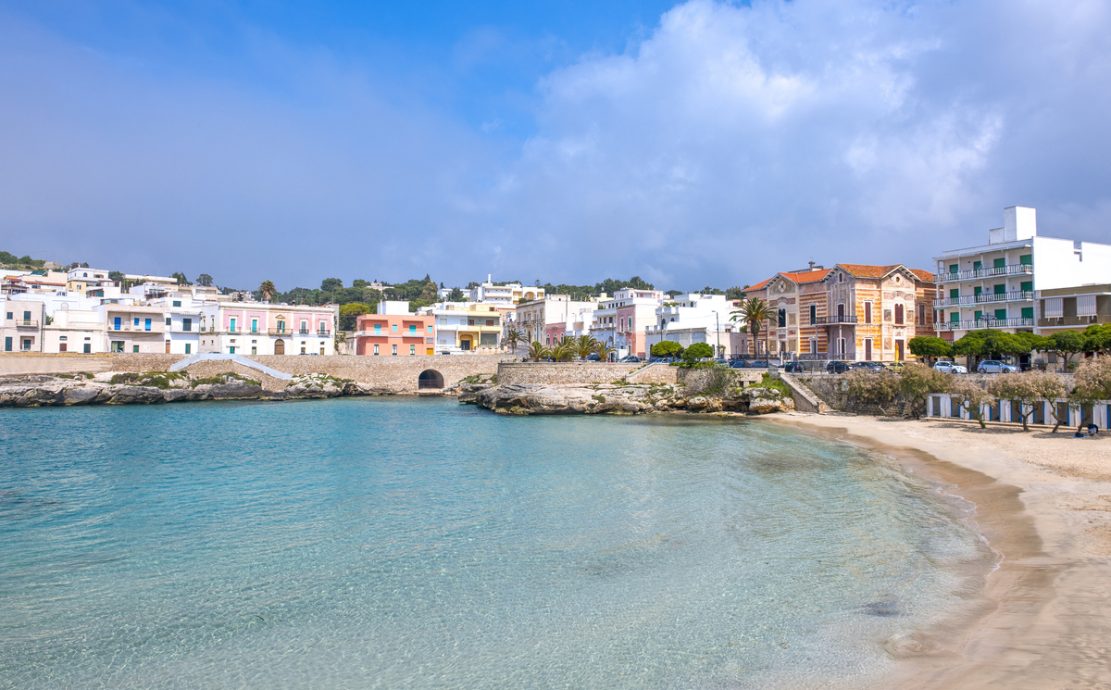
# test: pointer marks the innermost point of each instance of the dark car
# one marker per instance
(867, 366)
(758, 364)
(793, 367)
(837, 367)
(629, 359)
(594, 357)
(737, 364)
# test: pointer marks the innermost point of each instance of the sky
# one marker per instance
(700, 143)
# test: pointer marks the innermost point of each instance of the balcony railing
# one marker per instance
(835, 320)
(129, 328)
(1049, 321)
(1008, 270)
(26, 323)
(986, 298)
(973, 324)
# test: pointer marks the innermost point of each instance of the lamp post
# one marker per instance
(717, 334)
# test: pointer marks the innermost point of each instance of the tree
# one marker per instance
(697, 351)
(1097, 338)
(666, 348)
(1065, 344)
(565, 350)
(1093, 381)
(180, 278)
(971, 398)
(1020, 388)
(585, 345)
(349, 314)
(512, 338)
(456, 295)
(537, 351)
(115, 276)
(267, 290)
(753, 312)
(916, 381)
(930, 346)
(204, 280)
(331, 284)
(735, 293)
(604, 351)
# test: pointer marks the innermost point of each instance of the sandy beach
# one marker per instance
(1043, 502)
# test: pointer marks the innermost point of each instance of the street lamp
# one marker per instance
(717, 333)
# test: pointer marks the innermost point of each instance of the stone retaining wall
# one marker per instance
(214, 368)
(556, 373)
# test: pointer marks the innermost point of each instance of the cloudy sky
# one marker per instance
(692, 144)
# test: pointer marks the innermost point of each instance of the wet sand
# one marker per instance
(1043, 502)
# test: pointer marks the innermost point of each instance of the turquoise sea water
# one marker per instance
(423, 544)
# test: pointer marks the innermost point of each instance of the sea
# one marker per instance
(420, 543)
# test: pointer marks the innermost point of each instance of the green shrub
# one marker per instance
(775, 384)
(151, 379)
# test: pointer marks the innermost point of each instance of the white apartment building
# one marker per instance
(621, 321)
(546, 319)
(507, 294)
(994, 285)
(694, 318)
(21, 327)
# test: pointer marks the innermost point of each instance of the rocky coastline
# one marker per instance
(627, 399)
(162, 387)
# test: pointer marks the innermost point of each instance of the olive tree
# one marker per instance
(1028, 390)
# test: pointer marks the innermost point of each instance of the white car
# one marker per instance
(994, 366)
(949, 367)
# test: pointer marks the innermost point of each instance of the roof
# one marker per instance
(796, 277)
(873, 271)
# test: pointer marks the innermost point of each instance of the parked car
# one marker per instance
(737, 364)
(836, 366)
(758, 364)
(867, 366)
(594, 357)
(793, 367)
(664, 360)
(994, 366)
(629, 359)
(947, 367)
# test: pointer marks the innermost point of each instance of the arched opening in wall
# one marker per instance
(430, 379)
(279, 347)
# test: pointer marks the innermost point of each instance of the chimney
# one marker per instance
(811, 264)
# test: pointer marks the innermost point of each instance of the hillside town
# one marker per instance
(1018, 281)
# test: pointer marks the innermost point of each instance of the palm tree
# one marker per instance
(267, 290)
(585, 345)
(537, 351)
(603, 351)
(512, 338)
(565, 350)
(753, 312)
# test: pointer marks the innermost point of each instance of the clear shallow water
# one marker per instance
(418, 543)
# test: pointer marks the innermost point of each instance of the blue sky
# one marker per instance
(689, 143)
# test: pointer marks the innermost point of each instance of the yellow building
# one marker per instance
(467, 326)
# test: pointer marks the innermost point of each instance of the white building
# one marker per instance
(507, 294)
(694, 318)
(994, 285)
(546, 319)
(622, 320)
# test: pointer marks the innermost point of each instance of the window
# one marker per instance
(177, 303)
(168, 321)
(393, 327)
(813, 317)
(61, 347)
(412, 350)
(781, 318)
(978, 316)
(254, 325)
(87, 348)
(954, 293)
(429, 328)
(867, 312)
(117, 346)
(303, 348)
(146, 324)
(304, 326)
(1027, 286)
(135, 321)
(953, 268)
(1000, 314)
(134, 348)
(377, 330)
(921, 314)
(231, 325)
(898, 315)
(977, 291)
(188, 348)
(376, 350)
(231, 349)
(393, 350)
(281, 325)
(254, 349)
(1001, 262)
(10, 315)
(63, 338)
(1028, 312)
(117, 323)
(413, 329)
(954, 317)
(977, 265)
(1026, 260)
(187, 324)
(489, 322)
(1000, 289)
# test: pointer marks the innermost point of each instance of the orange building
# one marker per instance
(852, 311)
(395, 335)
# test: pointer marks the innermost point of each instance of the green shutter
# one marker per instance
(1026, 260)
(1000, 289)
(977, 290)
(977, 265)
(999, 263)
(954, 293)
(954, 317)
(1028, 312)
(1027, 286)
(978, 316)
(953, 268)
(1000, 314)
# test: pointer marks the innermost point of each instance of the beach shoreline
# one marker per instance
(1043, 505)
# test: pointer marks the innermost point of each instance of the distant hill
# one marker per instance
(26, 263)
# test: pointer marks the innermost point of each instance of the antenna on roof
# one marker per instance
(811, 264)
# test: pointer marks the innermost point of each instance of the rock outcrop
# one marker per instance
(530, 399)
(157, 388)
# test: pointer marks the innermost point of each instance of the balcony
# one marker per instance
(155, 328)
(313, 334)
(26, 323)
(986, 298)
(835, 320)
(1051, 321)
(1009, 270)
(973, 325)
